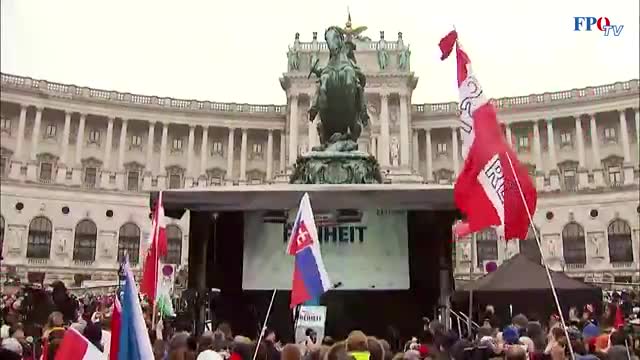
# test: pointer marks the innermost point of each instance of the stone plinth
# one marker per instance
(334, 167)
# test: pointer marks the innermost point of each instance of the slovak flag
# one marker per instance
(493, 188)
(133, 338)
(310, 278)
(74, 346)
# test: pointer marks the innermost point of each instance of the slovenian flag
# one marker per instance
(74, 346)
(310, 278)
(133, 343)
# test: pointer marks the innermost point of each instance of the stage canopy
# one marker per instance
(520, 281)
(323, 197)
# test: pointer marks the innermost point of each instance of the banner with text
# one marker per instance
(367, 250)
(314, 318)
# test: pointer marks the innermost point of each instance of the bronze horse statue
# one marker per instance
(339, 98)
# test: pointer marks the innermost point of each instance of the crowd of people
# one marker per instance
(613, 335)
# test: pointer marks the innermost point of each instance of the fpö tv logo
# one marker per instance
(590, 23)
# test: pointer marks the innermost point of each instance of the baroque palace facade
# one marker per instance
(77, 164)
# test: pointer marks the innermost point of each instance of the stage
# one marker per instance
(217, 242)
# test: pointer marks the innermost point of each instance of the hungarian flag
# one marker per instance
(157, 250)
(493, 188)
(74, 346)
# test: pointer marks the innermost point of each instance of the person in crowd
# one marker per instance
(292, 352)
(93, 333)
(376, 350)
(206, 348)
(520, 322)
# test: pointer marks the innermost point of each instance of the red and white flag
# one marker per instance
(492, 184)
(74, 346)
(157, 250)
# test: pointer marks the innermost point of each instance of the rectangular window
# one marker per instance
(523, 143)
(90, 177)
(566, 139)
(94, 137)
(175, 181)
(176, 144)
(136, 140)
(5, 125)
(46, 172)
(133, 180)
(3, 166)
(257, 149)
(50, 131)
(610, 134)
(615, 176)
(217, 149)
(441, 148)
(570, 183)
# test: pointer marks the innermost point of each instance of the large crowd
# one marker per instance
(35, 320)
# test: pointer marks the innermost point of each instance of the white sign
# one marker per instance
(311, 319)
(370, 252)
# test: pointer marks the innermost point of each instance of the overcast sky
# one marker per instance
(236, 50)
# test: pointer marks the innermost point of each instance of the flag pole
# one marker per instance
(544, 262)
(264, 324)
(156, 225)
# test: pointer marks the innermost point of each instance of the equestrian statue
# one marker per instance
(342, 105)
(339, 98)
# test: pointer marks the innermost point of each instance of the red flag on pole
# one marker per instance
(157, 249)
(493, 188)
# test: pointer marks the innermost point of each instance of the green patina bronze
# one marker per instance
(341, 103)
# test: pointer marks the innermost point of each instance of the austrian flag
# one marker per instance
(493, 188)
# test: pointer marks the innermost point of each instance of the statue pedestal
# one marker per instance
(335, 167)
(403, 176)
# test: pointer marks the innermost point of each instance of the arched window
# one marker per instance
(174, 245)
(84, 245)
(129, 242)
(619, 236)
(487, 245)
(573, 244)
(39, 241)
(529, 246)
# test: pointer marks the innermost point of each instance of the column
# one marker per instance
(537, 148)
(624, 136)
(428, 155)
(537, 153)
(598, 177)
(80, 140)
(21, 125)
(404, 132)
(123, 144)
(243, 156)
(455, 152)
(204, 147)
(312, 133)
(190, 146)
(230, 148)
(76, 173)
(551, 141)
(373, 149)
(554, 176)
(416, 151)
(638, 128)
(383, 146)
(283, 151)
(580, 139)
(108, 144)
(65, 164)
(163, 148)
(293, 129)
(150, 140)
(508, 135)
(595, 141)
(65, 139)
(35, 135)
(269, 154)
